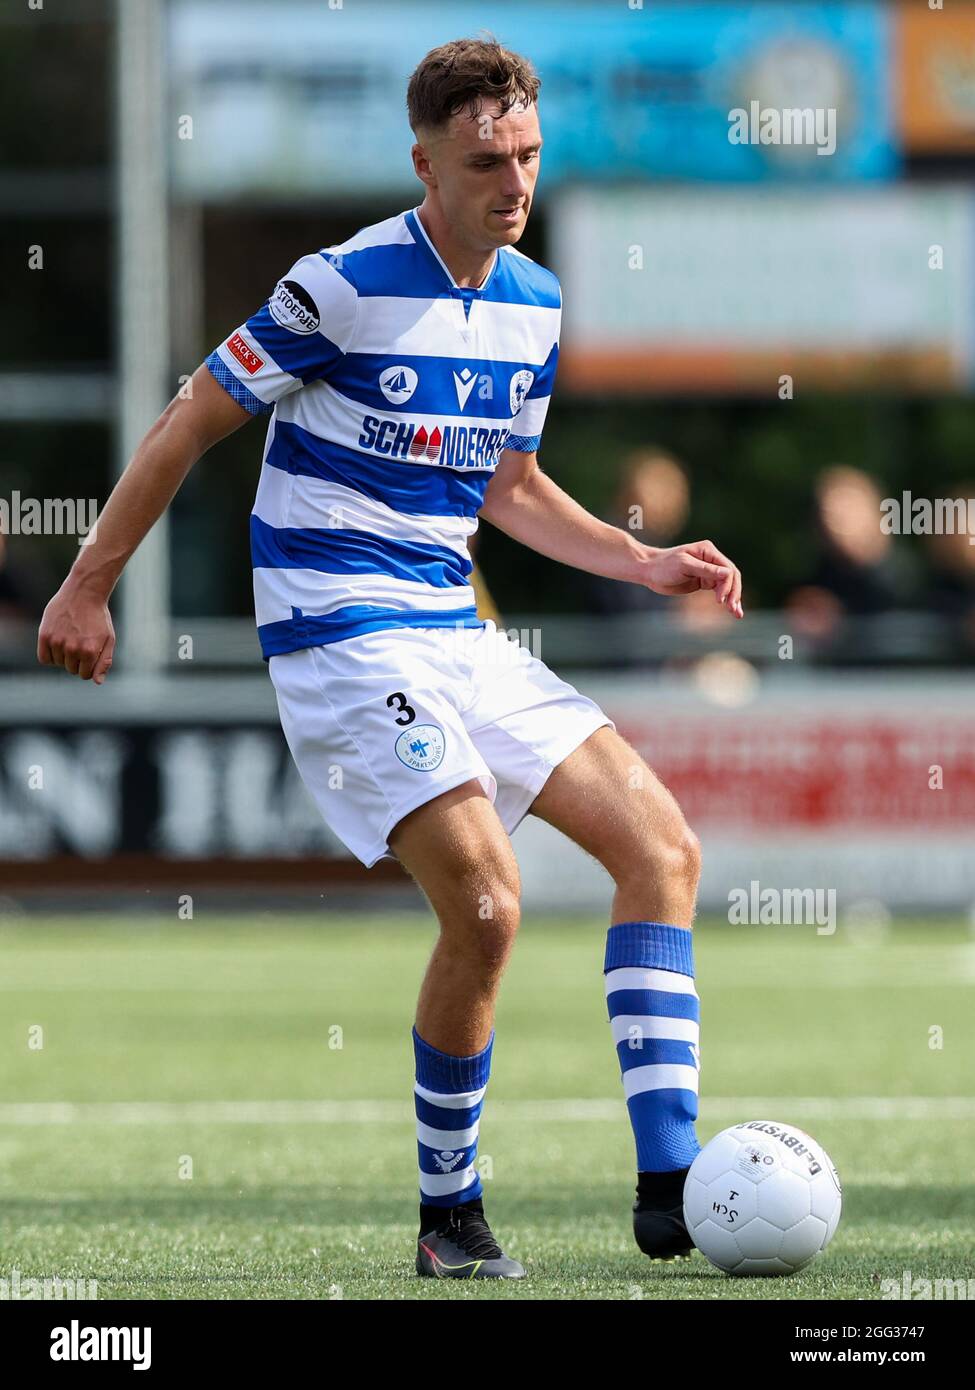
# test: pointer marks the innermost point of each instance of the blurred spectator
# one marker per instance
(652, 502)
(855, 570)
(24, 590)
(17, 599)
(951, 590)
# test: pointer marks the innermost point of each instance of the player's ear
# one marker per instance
(422, 166)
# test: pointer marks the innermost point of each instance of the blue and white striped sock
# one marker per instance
(654, 1013)
(449, 1094)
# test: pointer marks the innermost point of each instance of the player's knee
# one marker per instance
(495, 937)
(489, 913)
(486, 892)
(687, 856)
(499, 910)
(678, 855)
(669, 856)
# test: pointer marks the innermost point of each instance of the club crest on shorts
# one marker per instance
(421, 748)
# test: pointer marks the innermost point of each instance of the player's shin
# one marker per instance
(455, 1241)
(654, 1013)
(449, 1095)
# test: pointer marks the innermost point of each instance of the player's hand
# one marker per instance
(76, 632)
(683, 569)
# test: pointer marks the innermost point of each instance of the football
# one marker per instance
(762, 1198)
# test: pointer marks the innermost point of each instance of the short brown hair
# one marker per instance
(460, 75)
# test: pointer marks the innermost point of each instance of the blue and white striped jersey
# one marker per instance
(392, 392)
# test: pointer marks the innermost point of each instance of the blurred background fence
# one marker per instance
(770, 344)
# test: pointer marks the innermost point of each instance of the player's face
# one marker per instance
(485, 170)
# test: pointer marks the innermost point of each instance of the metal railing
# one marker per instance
(594, 642)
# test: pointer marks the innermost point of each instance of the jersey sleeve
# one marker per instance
(298, 335)
(526, 427)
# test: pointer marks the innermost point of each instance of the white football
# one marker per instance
(762, 1198)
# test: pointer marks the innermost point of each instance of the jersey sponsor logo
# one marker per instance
(421, 748)
(246, 356)
(464, 385)
(398, 383)
(453, 446)
(293, 307)
(521, 384)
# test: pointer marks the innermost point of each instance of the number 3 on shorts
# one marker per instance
(407, 713)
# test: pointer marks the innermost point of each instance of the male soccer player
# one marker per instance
(407, 374)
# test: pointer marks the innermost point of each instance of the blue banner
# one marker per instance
(302, 98)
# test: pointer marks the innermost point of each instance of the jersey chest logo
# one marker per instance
(464, 385)
(398, 383)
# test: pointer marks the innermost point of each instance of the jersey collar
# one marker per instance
(420, 236)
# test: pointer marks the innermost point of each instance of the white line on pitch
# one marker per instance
(275, 1112)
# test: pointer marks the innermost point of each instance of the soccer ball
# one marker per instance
(762, 1198)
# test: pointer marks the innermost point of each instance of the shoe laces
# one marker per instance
(468, 1229)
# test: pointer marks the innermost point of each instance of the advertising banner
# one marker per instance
(860, 786)
(308, 99)
(935, 78)
(733, 290)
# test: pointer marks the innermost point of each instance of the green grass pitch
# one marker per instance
(269, 1056)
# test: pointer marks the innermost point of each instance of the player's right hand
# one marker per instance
(684, 569)
(76, 632)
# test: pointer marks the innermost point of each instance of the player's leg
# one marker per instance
(458, 852)
(374, 729)
(460, 855)
(605, 798)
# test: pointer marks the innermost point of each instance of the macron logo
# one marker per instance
(464, 385)
(246, 356)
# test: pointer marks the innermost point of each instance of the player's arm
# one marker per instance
(299, 332)
(76, 630)
(527, 505)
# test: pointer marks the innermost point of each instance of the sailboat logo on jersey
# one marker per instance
(398, 384)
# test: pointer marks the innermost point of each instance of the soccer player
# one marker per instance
(407, 375)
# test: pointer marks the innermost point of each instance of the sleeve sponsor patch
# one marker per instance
(245, 355)
(293, 307)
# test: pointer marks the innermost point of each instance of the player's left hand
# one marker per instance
(683, 569)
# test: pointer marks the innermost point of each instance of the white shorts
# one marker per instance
(382, 723)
